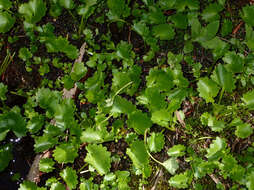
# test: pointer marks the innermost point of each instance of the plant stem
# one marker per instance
(81, 25)
(82, 167)
(221, 94)
(157, 161)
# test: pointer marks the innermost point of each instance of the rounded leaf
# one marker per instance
(6, 22)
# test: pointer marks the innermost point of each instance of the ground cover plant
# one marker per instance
(126, 94)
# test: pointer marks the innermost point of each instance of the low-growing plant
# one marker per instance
(160, 94)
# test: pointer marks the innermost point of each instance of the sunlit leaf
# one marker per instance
(46, 165)
(95, 155)
(44, 142)
(65, 153)
(139, 121)
(137, 153)
(211, 12)
(7, 22)
(216, 148)
(70, 177)
(3, 91)
(223, 78)
(163, 31)
(177, 150)
(243, 130)
(207, 89)
(181, 180)
(248, 99)
(78, 71)
(171, 165)
(33, 11)
(156, 142)
(5, 4)
(5, 156)
(248, 14)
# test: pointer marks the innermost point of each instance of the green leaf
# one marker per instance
(87, 9)
(88, 185)
(155, 142)
(250, 181)
(161, 117)
(78, 72)
(234, 62)
(64, 114)
(153, 99)
(13, 121)
(35, 123)
(212, 122)
(7, 22)
(165, 4)
(195, 28)
(43, 143)
(70, 177)
(181, 180)
(180, 20)
(93, 86)
(28, 185)
(61, 44)
(171, 165)
(53, 184)
(33, 11)
(188, 47)
(249, 37)
(68, 4)
(207, 89)
(5, 4)
(177, 150)
(57, 186)
(25, 54)
(91, 135)
(155, 16)
(227, 27)
(211, 12)
(248, 99)
(207, 33)
(223, 78)
(218, 46)
(163, 31)
(95, 155)
(138, 154)
(3, 91)
(47, 98)
(243, 130)
(5, 156)
(118, 9)
(96, 135)
(139, 121)
(124, 50)
(121, 105)
(183, 4)
(159, 79)
(141, 29)
(216, 148)
(65, 153)
(248, 14)
(201, 168)
(123, 178)
(46, 165)
(122, 78)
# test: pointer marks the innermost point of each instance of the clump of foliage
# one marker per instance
(165, 92)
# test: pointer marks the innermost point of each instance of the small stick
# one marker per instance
(237, 28)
